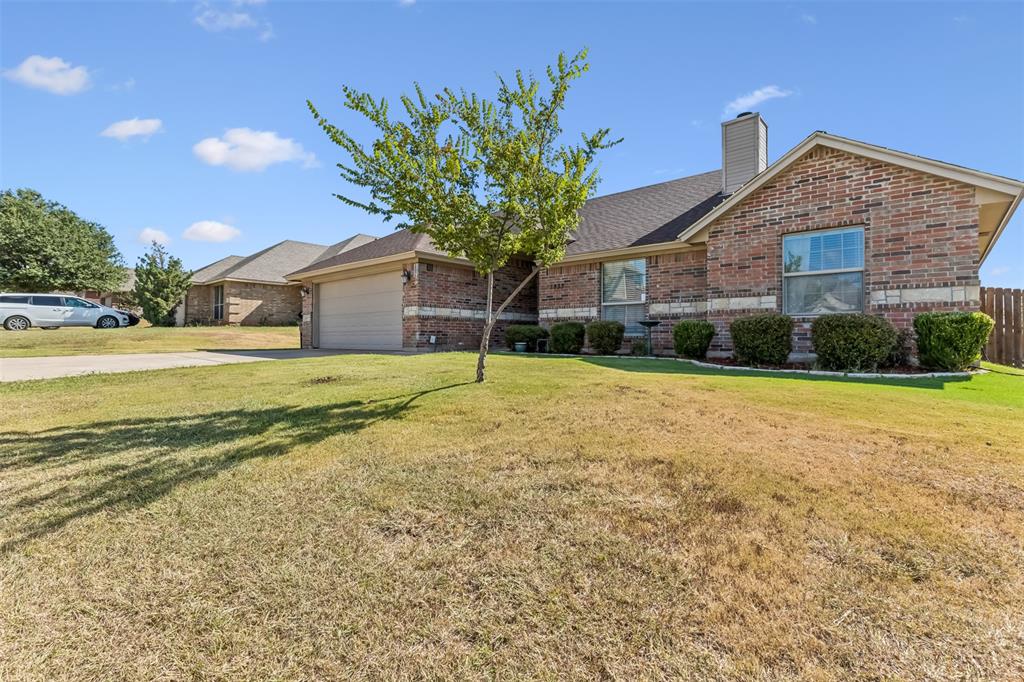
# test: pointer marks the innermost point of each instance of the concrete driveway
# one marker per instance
(21, 369)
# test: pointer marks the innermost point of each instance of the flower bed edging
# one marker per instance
(814, 372)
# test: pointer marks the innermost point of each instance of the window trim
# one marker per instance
(643, 293)
(219, 307)
(831, 271)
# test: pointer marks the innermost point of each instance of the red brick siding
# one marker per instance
(675, 278)
(447, 285)
(576, 285)
(920, 231)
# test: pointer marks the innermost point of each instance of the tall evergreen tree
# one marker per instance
(160, 284)
(45, 246)
(486, 180)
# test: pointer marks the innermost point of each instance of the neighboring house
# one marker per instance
(834, 225)
(252, 290)
(117, 298)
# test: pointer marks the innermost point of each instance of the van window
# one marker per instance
(47, 300)
(77, 303)
(14, 299)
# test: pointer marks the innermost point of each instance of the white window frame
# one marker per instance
(219, 307)
(643, 293)
(786, 276)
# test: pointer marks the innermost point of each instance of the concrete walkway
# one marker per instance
(21, 369)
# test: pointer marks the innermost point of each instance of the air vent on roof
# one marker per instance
(744, 150)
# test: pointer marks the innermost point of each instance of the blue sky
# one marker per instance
(214, 140)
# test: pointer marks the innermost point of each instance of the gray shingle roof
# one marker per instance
(646, 215)
(352, 242)
(269, 265)
(400, 241)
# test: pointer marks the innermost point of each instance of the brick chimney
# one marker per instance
(744, 150)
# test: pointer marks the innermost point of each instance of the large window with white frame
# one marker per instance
(823, 272)
(624, 293)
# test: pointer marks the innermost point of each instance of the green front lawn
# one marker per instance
(380, 517)
(88, 341)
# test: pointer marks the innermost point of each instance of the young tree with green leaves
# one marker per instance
(486, 180)
(44, 246)
(160, 284)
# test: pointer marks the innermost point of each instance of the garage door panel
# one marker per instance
(362, 313)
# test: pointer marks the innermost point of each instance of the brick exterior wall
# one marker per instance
(245, 303)
(920, 252)
(441, 300)
(920, 234)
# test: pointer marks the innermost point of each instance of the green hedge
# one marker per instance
(691, 338)
(567, 337)
(762, 339)
(951, 342)
(852, 343)
(528, 333)
(605, 336)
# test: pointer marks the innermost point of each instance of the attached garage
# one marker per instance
(360, 313)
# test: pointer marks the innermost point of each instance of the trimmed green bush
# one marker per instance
(852, 343)
(951, 342)
(762, 339)
(902, 350)
(691, 338)
(567, 337)
(605, 336)
(528, 333)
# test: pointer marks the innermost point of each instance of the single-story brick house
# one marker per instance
(253, 290)
(834, 225)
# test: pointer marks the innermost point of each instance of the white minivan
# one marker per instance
(18, 312)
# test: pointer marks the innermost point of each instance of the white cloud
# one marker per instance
(123, 85)
(406, 3)
(215, 20)
(133, 127)
(211, 231)
(809, 19)
(52, 74)
(999, 270)
(149, 235)
(244, 149)
(752, 99)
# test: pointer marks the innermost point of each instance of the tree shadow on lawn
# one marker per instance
(671, 366)
(141, 460)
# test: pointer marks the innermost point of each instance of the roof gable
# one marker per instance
(269, 265)
(1006, 190)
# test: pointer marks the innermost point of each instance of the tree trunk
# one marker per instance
(485, 340)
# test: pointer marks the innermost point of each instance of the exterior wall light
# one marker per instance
(304, 292)
(406, 276)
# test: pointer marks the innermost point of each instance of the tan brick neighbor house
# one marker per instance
(834, 225)
(252, 290)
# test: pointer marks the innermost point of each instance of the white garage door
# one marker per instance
(362, 313)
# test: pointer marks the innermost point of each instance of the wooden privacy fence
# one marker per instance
(1006, 307)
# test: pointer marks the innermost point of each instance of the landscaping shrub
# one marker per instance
(525, 332)
(638, 347)
(951, 341)
(852, 343)
(762, 339)
(567, 337)
(691, 338)
(605, 336)
(899, 356)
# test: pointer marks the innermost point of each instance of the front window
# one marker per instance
(218, 303)
(623, 293)
(823, 272)
(78, 303)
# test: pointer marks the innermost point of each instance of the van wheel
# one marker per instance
(16, 323)
(106, 322)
